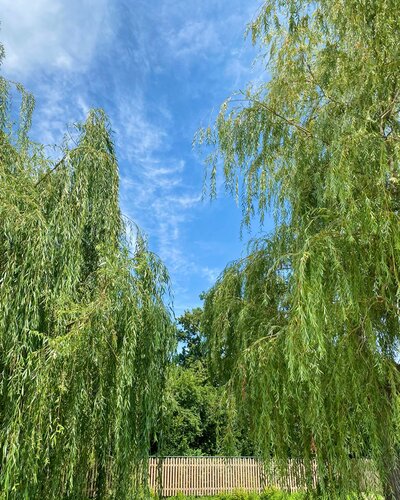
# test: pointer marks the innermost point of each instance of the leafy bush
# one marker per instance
(275, 494)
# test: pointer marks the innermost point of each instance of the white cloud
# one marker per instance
(153, 191)
(196, 37)
(138, 137)
(210, 273)
(50, 34)
(56, 109)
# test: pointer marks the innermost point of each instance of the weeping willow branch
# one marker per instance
(326, 282)
(85, 326)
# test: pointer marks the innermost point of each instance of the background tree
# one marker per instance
(315, 359)
(194, 413)
(190, 334)
(196, 410)
(193, 409)
(85, 335)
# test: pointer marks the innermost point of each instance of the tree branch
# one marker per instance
(289, 121)
(51, 170)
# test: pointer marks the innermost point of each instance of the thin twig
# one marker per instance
(328, 97)
(289, 121)
(60, 162)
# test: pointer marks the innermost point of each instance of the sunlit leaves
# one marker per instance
(84, 331)
(310, 347)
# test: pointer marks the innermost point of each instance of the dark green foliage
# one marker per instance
(196, 409)
(84, 332)
(191, 335)
(305, 332)
(193, 412)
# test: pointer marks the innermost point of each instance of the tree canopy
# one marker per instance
(193, 412)
(196, 411)
(305, 331)
(190, 334)
(85, 332)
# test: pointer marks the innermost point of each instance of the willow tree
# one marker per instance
(305, 331)
(84, 330)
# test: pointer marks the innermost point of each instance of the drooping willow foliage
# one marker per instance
(84, 330)
(305, 331)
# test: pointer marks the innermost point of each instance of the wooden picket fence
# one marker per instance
(212, 475)
(199, 476)
(205, 475)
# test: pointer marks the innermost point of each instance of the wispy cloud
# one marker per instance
(193, 39)
(210, 273)
(45, 35)
(57, 108)
(50, 46)
(153, 189)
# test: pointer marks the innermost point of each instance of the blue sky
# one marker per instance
(160, 69)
